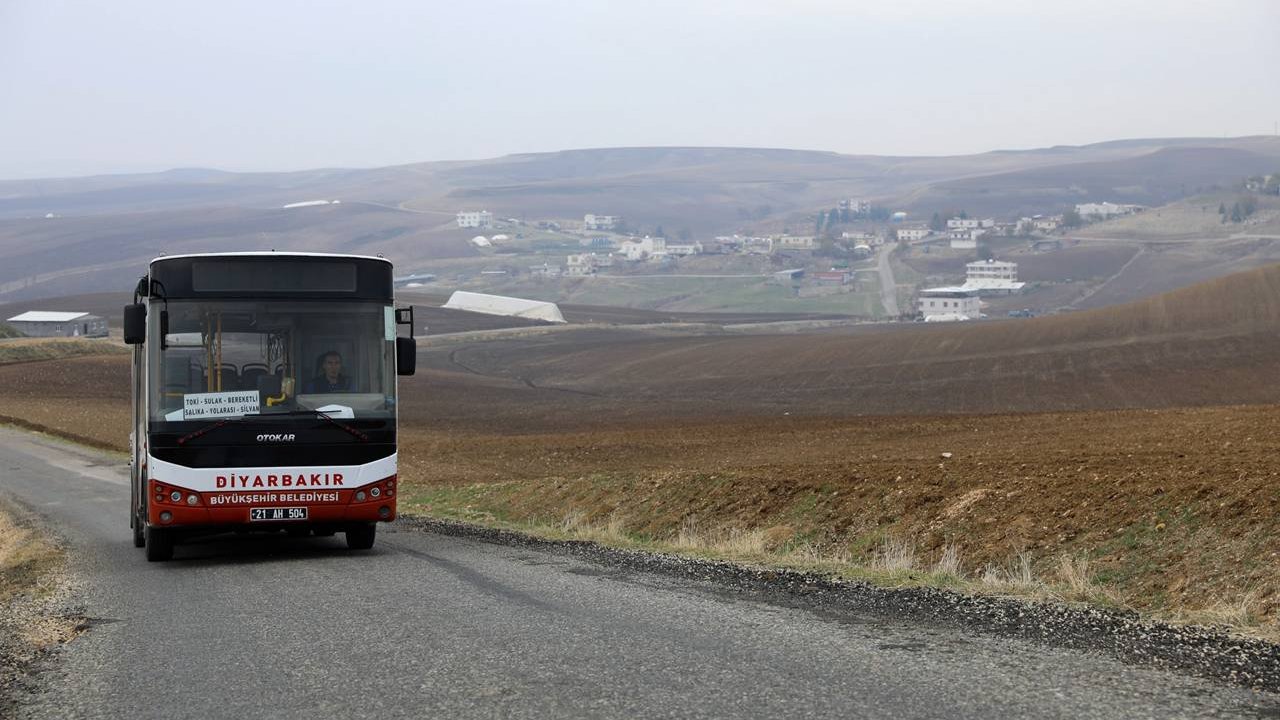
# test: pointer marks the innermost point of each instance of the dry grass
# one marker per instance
(948, 564)
(895, 556)
(28, 558)
(17, 350)
(1014, 575)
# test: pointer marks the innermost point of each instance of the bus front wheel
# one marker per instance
(361, 537)
(159, 544)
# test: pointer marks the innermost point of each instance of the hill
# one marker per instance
(1211, 343)
(104, 227)
(1153, 178)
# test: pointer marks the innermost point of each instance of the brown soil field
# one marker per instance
(1140, 438)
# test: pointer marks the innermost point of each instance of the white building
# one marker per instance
(648, 248)
(600, 222)
(545, 270)
(481, 241)
(51, 323)
(795, 242)
(1106, 209)
(950, 303)
(992, 277)
(965, 238)
(502, 305)
(970, 223)
(912, 234)
(862, 236)
(586, 264)
(475, 219)
(1043, 223)
(855, 206)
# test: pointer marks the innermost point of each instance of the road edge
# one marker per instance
(1202, 651)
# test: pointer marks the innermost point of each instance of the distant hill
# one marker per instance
(1151, 179)
(104, 227)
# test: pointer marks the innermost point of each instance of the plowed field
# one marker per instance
(1141, 438)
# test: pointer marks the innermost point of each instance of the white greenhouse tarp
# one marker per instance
(502, 305)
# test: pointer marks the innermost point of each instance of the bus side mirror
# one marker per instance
(406, 356)
(135, 324)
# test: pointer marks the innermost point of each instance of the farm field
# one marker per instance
(1135, 439)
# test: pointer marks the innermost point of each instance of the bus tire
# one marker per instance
(361, 537)
(159, 544)
(139, 539)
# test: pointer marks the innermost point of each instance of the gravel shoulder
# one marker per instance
(37, 601)
(1206, 652)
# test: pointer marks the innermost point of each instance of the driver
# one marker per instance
(330, 379)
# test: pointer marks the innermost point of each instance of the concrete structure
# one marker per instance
(949, 303)
(992, 277)
(545, 270)
(1106, 209)
(855, 206)
(647, 248)
(586, 264)
(503, 305)
(46, 323)
(682, 249)
(795, 242)
(475, 219)
(965, 238)
(1042, 223)
(600, 222)
(912, 234)
(481, 241)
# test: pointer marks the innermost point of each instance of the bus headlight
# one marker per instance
(375, 491)
(359, 496)
(192, 499)
(175, 496)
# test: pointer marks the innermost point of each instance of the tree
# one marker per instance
(1222, 209)
(1071, 218)
(984, 252)
(659, 232)
(964, 215)
(1236, 214)
(684, 234)
(937, 224)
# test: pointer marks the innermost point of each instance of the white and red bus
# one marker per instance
(264, 396)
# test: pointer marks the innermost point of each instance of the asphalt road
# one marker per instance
(432, 626)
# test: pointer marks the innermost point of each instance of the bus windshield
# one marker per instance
(234, 358)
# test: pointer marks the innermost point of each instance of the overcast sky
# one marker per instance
(124, 86)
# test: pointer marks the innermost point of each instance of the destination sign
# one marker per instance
(198, 406)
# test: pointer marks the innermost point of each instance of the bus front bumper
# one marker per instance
(170, 505)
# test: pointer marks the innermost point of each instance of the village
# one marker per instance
(842, 254)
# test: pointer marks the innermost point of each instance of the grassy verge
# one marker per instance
(1151, 565)
(18, 350)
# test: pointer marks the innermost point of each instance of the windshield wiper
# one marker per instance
(260, 416)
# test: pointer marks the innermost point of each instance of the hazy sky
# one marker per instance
(122, 86)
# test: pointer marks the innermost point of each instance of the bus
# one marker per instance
(264, 396)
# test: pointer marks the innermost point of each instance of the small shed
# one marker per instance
(49, 323)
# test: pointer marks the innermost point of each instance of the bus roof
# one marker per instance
(269, 253)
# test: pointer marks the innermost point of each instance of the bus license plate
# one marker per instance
(278, 513)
